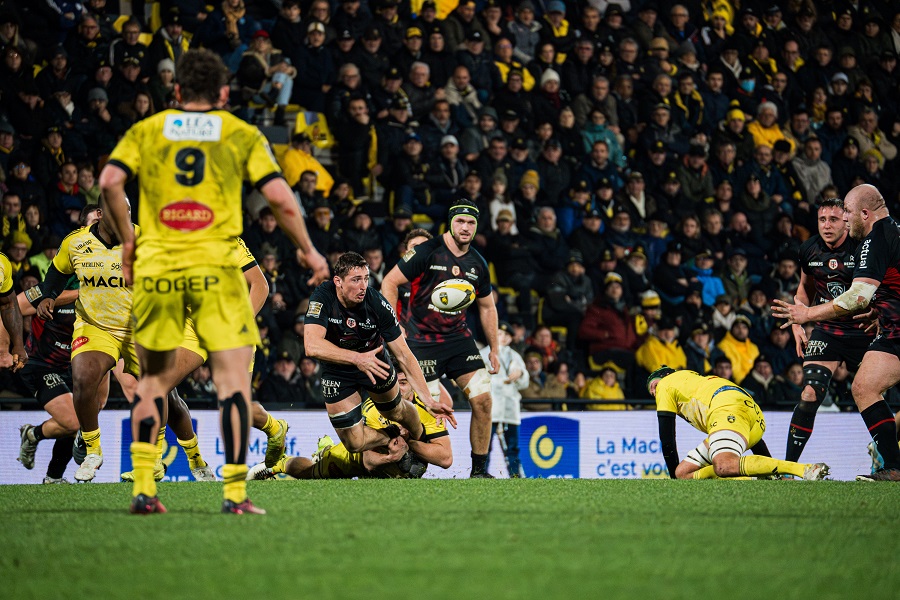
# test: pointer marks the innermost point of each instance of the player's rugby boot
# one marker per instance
(877, 460)
(204, 473)
(79, 449)
(881, 475)
(241, 508)
(275, 445)
(88, 468)
(159, 471)
(49, 479)
(816, 472)
(28, 446)
(143, 504)
(259, 472)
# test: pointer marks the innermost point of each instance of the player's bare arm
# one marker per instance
(12, 322)
(410, 366)
(487, 310)
(805, 292)
(318, 347)
(259, 288)
(854, 300)
(115, 206)
(436, 452)
(284, 205)
(390, 284)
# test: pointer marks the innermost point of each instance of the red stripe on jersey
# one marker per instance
(892, 279)
(882, 422)
(801, 428)
(414, 286)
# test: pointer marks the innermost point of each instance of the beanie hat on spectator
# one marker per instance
(505, 215)
(840, 77)
(556, 6)
(636, 252)
(166, 64)
(742, 319)
(735, 113)
(575, 256)
(723, 299)
(530, 177)
(782, 146)
(316, 26)
(98, 94)
(659, 43)
(607, 256)
(20, 237)
(6, 127)
(650, 299)
(489, 111)
(612, 278)
(500, 177)
(525, 5)
(549, 75)
(449, 139)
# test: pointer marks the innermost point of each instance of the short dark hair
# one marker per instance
(348, 261)
(416, 233)
(830, 202)
(201, 74)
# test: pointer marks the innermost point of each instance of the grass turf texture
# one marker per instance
(456, 539)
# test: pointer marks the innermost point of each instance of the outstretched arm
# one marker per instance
(667, 440)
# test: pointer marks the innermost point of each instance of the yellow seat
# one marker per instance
(315, 126)
(503, 291)
(558, 330)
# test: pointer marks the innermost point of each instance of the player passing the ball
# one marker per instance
(347, 326)
(875, 292)
(731, 420)
(441, 340)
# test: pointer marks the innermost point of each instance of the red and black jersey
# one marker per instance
(832, 273)
(362, 328)
(50, 342)
(878, 258)
(427, 265)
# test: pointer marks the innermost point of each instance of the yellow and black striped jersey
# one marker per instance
(104, 300)
(191, 167)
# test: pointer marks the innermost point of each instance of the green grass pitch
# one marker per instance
(457, 539)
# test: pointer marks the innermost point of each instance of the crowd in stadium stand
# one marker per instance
(645, 171)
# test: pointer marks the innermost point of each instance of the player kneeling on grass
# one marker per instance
(730, 418)
(336, 462)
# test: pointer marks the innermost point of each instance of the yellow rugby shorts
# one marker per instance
(220, 309)
(736, 411)
(89, 338)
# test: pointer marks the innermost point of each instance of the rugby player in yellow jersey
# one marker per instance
(191, 164)
(13, 357)
(730, 418)
(102, 333)
(336, 462)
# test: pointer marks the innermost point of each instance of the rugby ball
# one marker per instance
(453, 295)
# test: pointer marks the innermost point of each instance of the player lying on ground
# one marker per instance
(873, 293)
(728, 416)
(347, 327)
(336, 462)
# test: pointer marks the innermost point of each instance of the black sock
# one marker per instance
(761, 449)
(479, 463)
(880, 421)
(801, 430)
(38, 433)
(62, 453)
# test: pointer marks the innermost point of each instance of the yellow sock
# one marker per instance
(160, 442)
(271, 427)
(92, 441)
(763, 465)
(143, 459)
(192, 450)
(235, 477)
(707, 472)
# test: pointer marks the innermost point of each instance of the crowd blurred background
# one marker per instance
(646, 171)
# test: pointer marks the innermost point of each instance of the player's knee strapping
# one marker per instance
(479, 384)
(347, 419)
(699, 456)
(145, 425)
(389, 405)
(817, 377)
(235, 456)
(726, 441)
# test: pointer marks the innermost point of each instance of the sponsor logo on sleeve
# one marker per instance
(409, 254)
(315, 309)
